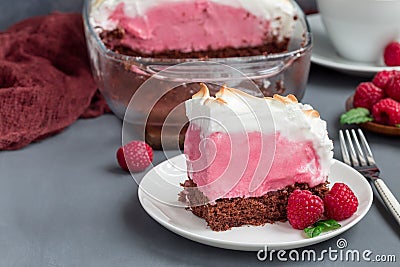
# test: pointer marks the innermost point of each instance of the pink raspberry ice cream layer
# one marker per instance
(190, 26)
(223, 171)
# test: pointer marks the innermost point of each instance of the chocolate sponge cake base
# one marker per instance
(234, 212)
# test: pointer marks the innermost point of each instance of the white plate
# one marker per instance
(324, 54)
(158, 194)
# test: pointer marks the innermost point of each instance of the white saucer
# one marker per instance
(158, 194)
(324, 54)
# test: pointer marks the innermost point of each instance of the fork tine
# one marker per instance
(353, 154)
(368, 151)
(343, 148)
(360, 153)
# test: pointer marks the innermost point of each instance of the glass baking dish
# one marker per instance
(119, 78)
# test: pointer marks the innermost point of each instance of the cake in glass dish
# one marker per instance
(130, 41)
(245, 155)
(197, 28)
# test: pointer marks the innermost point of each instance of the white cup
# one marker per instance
(360, 29)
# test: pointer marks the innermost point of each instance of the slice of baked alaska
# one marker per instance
(245, 155)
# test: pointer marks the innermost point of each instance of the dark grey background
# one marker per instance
(64, 201)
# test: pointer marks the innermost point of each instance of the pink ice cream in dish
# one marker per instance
(244, 151)
(149, 27)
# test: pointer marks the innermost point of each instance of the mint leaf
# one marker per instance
(356, 116)
(313, 231)
(321, 226)
(397, 125)
(328, 225)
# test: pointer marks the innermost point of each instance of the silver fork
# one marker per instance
(366, 165)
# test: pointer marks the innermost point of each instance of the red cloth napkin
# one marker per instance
(45, 79)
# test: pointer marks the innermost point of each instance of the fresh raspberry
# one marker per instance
(366, 95)
(387, 111)
(340, 202)
(393, 88)
(391, 54)
(135, 156)
(382, 78)
(304, 209)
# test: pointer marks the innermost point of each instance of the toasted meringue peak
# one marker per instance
(285, 99)
(293, 98)
(227, 91)
(202, 93)
(312, 113)
(224, 92)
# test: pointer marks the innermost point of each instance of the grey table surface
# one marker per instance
(64, 201)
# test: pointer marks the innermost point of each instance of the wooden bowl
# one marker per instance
(373, 126)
